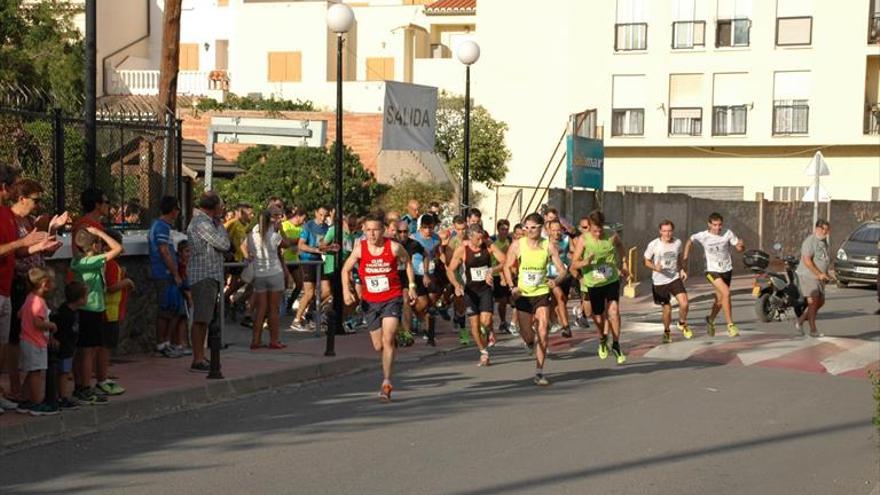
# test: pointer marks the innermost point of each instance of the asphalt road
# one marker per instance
(652, 426)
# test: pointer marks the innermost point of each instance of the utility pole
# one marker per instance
(167, 104)
(90, 106)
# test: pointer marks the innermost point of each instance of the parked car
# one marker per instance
(857, 256)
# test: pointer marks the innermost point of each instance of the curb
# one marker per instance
(90, 419)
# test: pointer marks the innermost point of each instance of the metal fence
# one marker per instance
(138, 159)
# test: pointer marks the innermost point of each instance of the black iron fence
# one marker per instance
(138, 159)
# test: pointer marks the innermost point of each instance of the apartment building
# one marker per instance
(713, 98)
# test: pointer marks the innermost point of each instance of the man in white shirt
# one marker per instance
(719, 268)
(664, 257)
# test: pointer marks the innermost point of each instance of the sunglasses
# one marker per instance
(404, 231)
(35, 199)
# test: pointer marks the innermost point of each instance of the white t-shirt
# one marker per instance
(717, 249)
(664, 255)
(265, 252)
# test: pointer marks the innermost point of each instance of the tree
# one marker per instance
(42, 51)
(407, 187)
(489, 153)
(303, 177)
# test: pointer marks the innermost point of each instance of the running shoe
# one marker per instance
(603, 348)
(667, 338)
(183, 351)
(109, 387)
(349, 326)
(7, 404)
(405, 338)
(541, 380)
(200, 367)
(513, 329)
(385, 392)
(621, 357)
(732, 330)
(686, 331)
(169, 351)
(504, 327)
(799, 327)
(44, 409)
(25, 407)
(88, 397)
(68, 403)
(566, 331)
(816, 335)
(464, 337)
(555, 328)
(299, 326)
(710, 327)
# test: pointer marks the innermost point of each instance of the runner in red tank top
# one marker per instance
(376, 259)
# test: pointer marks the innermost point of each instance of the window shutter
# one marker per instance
(685, 90)
(629, 91)
(729, 89)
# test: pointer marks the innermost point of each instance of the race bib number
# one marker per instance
(602, 273)
(377, 284)
(431, 266)
(479, 273)
(532, 278)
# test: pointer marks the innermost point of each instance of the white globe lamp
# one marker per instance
(340, 18)
(468, 52)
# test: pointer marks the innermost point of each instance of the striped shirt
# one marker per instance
(208, 242)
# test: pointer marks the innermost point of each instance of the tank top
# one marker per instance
(564, 246)
(477, 266)
(379, 274)
(602, 270)
(502, 246)
(533, 268)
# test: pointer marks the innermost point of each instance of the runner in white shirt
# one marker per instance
(663, 257)
(719, 268)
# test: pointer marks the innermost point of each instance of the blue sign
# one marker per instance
(586, 162)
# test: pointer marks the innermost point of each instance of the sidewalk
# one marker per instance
(157, 386)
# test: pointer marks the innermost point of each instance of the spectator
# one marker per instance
(131, 214)
(89, 269)
(309, 248)
(208, 241)
(97, 209)
(237, 229)
(66, 319)
(164, 269)
(813, 274)
(115, 300)
(412, 216)
(264, 245)
(184, 301)
(26, 197)
(35, 332)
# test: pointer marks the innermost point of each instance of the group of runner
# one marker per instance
(406, 271)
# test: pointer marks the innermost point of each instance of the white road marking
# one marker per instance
(853, 359)
(774, 350)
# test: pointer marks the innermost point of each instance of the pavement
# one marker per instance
(158, 386)
(748, 415)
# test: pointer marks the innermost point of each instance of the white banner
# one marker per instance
(410, 119)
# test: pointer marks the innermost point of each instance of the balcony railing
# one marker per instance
(872, 120)
(146, 82)
(874, 29)
(630, 37)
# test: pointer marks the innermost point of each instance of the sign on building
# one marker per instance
(586, 162)
(410, 118)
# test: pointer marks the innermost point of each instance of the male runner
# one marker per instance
(500, 289)
(456, 239)
(531, 294)
(562, 290)
(424, 268)
(377, 259)
(719, 268)
(664, 258)
(600, 257)
(474, 255)
(412, 247)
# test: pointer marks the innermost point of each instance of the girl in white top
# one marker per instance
(264, 245)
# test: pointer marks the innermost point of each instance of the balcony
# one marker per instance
(872, 120)
(146, 82)
(874, 29)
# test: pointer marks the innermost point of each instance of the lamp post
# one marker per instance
(340, 18)
(468, 53)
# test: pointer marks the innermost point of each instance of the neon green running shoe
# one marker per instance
(603, 348)
(464, 337)
(732, 330)
(618, 353)
(686, 331)
(667, 338)
(710, 327)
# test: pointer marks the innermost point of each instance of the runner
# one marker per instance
(377, 258)
(291, 228)
(500, 289)
(474, 255)
(457, 238)
(719, 268)
(664, 258)
(311, 249)
(518, 233)
(424, 266)
(562, 290)
(582, 312)
(412, 247)
(412, 215)
(531, 294)
(600, 258)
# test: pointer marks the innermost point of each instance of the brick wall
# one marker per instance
(362, 132)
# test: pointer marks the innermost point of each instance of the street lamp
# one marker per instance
(468, 53)
(340, 19)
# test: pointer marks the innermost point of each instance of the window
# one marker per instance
(380, 68)
(789, 193)
(868, 233)
(733, 25)
(729, 121)
(794, 22)
(223, 3)
(631, 28)
(791, 109)
(635, 189)
(221, 54)
(628, 105)
(189, 56)
(688, 34)
(874, 22)
(875, 193)
(685, 104)
(285, 66)
(628, 122)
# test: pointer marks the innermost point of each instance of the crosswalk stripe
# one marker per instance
(774, 350)
(852, 359)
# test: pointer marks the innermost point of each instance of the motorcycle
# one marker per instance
(778, 291)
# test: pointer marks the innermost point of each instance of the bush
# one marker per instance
(271, 105)
(407, 187)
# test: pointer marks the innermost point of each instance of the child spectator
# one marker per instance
(115, 299)
(89, 269)
(35, 331)
(180, 300)
(66, 319)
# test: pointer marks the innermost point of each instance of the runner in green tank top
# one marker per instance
(600, 259)
(532, 291)
(500, 289)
